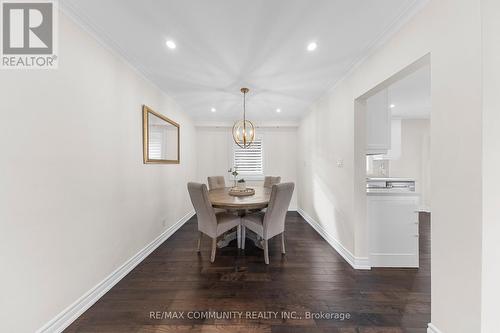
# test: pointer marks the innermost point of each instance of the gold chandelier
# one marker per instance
(244, 130)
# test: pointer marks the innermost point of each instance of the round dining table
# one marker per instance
(220, 198)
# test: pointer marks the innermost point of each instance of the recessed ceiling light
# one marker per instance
(278, 110)
(312, 46)
(213, 109)
(392, 106)
(171, 44)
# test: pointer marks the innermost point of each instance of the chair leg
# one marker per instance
(199, 240)
(243, 236)
(283, 242)
(214, 247)
(238, 236)
(266, 252)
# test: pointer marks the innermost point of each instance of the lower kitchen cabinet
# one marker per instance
(393, 229)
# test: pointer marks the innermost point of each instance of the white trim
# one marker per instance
(355, 262)
(72, 312)
(249, 177)
(433, 329)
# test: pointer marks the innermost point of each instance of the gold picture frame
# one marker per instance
(157, 152)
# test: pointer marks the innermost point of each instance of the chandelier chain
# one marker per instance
(244, 119)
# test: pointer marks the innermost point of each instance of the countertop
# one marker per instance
(397, 179)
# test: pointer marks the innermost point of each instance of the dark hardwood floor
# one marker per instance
(311, 277)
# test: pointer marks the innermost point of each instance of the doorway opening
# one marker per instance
(392, 168)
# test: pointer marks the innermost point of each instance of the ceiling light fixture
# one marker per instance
(392, 106)
(171, 44)
(213, 109)
(312, 46)
(243, 130)
(278, 110)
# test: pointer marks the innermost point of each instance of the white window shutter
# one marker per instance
(249, 161)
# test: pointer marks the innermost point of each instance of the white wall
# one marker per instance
(76, 201)
(491, 166)
(214, 152)
(450, 30)
(326, 191)
(414, 161)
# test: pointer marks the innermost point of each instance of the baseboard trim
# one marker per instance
(433, 329)
(72, 312)
(355, 262)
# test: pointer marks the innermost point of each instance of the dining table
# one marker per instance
(221, 198)
(241, 205)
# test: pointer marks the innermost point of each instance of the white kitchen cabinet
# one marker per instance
(378, 124)
(393, 229)
(395, 152)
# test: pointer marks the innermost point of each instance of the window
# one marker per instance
(249, 161)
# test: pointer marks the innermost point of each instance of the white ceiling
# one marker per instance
(411, 95)
(223, 45)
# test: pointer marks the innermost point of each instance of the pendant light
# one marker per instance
(244, 130)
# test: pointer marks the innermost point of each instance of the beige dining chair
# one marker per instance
(272, 222)
(215, 182)
(210, 223)
(269, 181)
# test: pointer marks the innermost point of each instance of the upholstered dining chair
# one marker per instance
(269, 181)
(272, 222)
(210, 223)
(215, 182)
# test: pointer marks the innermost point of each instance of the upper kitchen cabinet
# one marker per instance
(378, 124)
(395, 152)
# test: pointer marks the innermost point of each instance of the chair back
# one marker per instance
(274, 220)
(207, 222)
(269, 181)
(215, 182)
